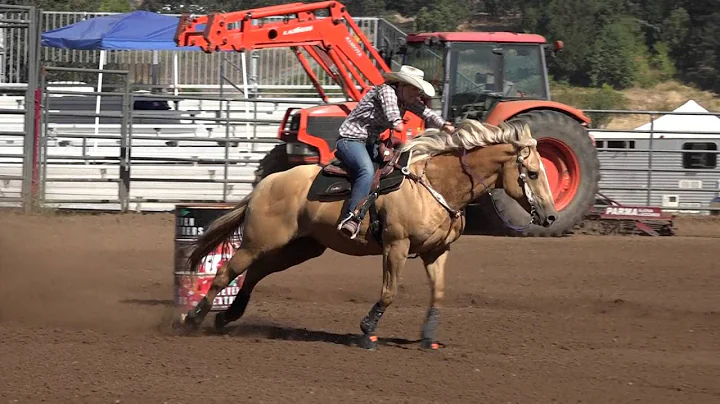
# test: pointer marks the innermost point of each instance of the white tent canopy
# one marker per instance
(681, 126)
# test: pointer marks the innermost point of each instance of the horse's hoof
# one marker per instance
(369, 342)
(220, 321)
(185, 323)
(429, 345)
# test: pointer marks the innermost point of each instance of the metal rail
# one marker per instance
(121, 161)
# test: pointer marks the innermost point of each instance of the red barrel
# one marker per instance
(191, 220)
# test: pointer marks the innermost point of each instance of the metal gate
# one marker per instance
(19, 55)
(62, 116)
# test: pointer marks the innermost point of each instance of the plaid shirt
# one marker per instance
(378, 111)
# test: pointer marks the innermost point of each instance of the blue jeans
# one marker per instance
(356, 154)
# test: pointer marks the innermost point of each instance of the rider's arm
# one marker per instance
(389, 101)
(435, 119)
(419, 109)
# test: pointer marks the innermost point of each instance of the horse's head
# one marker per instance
(505, 153)
(524, 179)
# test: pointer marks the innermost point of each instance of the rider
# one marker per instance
(382, 107)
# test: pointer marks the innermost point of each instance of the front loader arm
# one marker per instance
(327, 40)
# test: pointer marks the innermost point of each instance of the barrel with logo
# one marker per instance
(191, 220)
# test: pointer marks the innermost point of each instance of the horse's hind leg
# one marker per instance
(240, 261)
(295, 253)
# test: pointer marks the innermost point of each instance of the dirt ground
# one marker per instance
(85, 310)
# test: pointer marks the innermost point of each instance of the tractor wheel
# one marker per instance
(275, 160)
(573, 171)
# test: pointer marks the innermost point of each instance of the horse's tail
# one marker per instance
(219, 232)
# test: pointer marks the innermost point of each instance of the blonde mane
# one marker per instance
(469, 134)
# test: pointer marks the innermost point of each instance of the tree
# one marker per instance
(618, 54)
(701, 62)
(438, 17)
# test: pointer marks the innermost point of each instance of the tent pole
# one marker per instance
(175, 72)
(243, 61)
(154, 71)
(97, 98)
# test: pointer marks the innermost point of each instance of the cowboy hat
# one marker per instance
(413, 76)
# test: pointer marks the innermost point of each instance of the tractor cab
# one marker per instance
(473, 71)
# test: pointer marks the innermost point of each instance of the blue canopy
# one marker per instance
(137, 30)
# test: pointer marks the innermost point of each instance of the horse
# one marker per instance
(292, 216)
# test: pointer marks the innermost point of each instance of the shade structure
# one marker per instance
(137, 30)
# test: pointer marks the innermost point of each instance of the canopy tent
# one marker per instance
(136, 30)
(679, 124)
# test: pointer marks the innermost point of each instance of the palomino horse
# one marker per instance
(284, 224)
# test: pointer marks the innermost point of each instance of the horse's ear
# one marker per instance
(524, 137)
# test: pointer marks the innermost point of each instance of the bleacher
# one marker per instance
(78, 150)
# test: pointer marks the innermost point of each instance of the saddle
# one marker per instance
(333, 181)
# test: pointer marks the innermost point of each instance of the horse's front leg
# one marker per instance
(435, 267)
(394, 257)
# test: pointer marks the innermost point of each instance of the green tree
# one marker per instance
(675, 28)
(618, 54)
(439, 17)
(701, 61)
(573, 22)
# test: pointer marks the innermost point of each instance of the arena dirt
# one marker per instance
(86, 306)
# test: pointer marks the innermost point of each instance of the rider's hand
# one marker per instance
(448, 128)
(400, 127)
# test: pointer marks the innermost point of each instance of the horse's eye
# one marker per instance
(533, 175)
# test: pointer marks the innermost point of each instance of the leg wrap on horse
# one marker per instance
(430, 326)
(370, 322)
(197, 315)
(238, 306)
(234, 312)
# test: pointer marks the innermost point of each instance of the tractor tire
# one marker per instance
(275, 160)
(567, 151)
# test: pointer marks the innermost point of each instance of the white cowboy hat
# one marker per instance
(412, 76)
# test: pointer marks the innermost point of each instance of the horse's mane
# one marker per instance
(469, 134)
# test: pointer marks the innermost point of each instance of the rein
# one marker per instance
(454, 213)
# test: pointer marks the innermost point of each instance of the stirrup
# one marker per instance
(348, 218)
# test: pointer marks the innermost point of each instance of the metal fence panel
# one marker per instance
(205, 151)
(19, 44)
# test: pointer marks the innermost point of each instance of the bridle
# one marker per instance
(522, 182)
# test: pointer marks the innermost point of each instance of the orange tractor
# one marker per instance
(491, 77)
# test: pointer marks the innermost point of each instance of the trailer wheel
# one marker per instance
(573, 171)
(275, 160)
